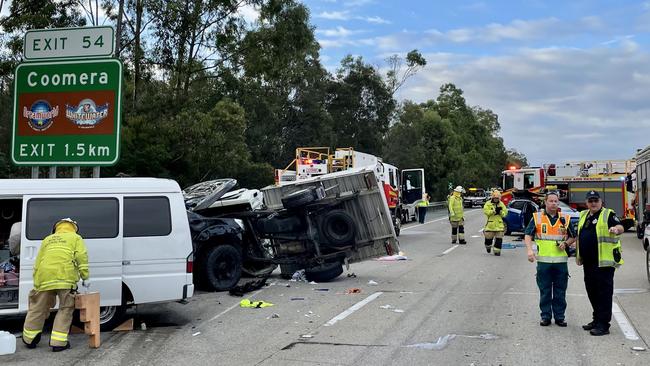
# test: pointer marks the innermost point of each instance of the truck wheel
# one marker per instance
(324, 272)
(640, 229)
(338, 228)
(110, 317)
(222, 267)
(299, 198)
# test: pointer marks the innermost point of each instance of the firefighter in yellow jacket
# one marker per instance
(62, 260)
(495, 211)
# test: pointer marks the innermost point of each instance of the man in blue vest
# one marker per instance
(599, 253)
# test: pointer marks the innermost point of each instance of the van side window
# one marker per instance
(147, 216)
(98, 218)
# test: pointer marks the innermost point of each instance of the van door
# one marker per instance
(99, 219)
(157, 243)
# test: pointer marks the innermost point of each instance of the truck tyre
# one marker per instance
(110, 317)
(640, 229)
(299, 198)
(338, 228)
(324, 272)
(222, 267)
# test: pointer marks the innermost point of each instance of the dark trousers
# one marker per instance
(599, 283)
(552, 280)
(422, 213)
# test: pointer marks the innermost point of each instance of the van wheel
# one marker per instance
(338, 228)
(222, 267)
(324, 272)
(110, 317)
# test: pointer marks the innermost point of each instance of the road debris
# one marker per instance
(297, 298)
(195, 334)
(273, 316)
(392, 258)
(313, 283)
(353, 290)
(637, 348)
(386, 307)
(247, 287)
(247, 303)
(143, 326)
(321, 289)
(299, 276)
(352, 275)
(372, 283)
(306, 336)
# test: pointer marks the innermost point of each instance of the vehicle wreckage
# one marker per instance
(319, 225)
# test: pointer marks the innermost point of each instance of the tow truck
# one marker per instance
(402, 189)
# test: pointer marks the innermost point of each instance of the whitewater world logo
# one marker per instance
(87, 114)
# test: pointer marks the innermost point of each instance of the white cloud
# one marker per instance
(577, 103)
(250, 13)
(334, 15)
(357, 3)
(519, 30)
(339, 31)
(376, 20)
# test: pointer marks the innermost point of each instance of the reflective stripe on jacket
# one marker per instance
(547, 237)
(607, 242)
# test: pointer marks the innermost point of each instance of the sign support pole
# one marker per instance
(76, 172)
(96, 170)
(35, 172)
(52, 172)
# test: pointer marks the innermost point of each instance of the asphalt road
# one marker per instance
(446, 305)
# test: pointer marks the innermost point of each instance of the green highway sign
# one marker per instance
(67, 113)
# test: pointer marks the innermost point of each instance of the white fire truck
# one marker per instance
(402, 189)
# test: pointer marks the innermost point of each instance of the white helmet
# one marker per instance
(459, 189)
(68, 220)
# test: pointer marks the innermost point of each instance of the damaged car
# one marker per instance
(319, 225)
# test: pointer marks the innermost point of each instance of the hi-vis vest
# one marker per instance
(607, 242)
(548, 236)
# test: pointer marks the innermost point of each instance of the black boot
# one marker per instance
(488, 245)
(34, 342)
(61, 348)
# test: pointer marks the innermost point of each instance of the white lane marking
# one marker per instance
(227, 310)
(432, 221)
(353, 308)
(449, 250)
(623, 323)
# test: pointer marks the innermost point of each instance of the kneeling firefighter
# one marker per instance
(61, 261)
(495, 211)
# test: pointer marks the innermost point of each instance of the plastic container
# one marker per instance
(7, 343)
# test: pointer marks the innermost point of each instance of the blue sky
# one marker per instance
(570, 80)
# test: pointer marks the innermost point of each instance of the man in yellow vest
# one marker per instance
(423, 206)
(61, 261)
(552, 232)
(495, 211)
(599, 253)
(456, 216)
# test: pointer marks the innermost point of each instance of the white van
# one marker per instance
(136, 231)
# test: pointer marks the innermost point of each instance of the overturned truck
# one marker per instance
(319, 225)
